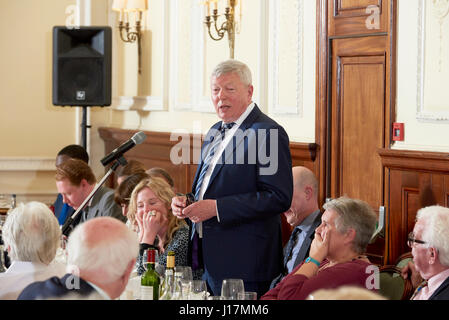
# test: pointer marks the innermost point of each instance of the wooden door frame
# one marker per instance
(324, 94)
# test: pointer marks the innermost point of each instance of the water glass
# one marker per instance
(231, 287)
(247, 295)
(198, 290)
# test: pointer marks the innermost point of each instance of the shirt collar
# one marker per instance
(100, 291)
(308, 222)
(25, 266)
(435, 282)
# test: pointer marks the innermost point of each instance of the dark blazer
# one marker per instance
(442, 293)
(57, 288)
(303, 251)
(246, 243)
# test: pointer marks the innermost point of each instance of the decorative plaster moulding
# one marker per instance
(422, 114)
(27, 164)
(274, 48)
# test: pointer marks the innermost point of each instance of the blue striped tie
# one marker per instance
(213, 146)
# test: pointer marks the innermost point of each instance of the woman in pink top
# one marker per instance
(335, 254)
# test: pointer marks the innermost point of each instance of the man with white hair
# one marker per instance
(430, 249)
(101, 254)
(32, 237)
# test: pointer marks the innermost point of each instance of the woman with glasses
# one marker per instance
(430, 250)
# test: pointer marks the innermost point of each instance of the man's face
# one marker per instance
(72, 195)
(295, 215)
(230, 96)
(420, 252)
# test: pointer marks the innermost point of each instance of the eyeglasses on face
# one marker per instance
(411, 240)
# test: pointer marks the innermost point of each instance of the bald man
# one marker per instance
(101, 254)
(304, 217)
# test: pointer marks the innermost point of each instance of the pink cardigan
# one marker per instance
(298, 287)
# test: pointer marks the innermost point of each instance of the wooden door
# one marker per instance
(358, 114)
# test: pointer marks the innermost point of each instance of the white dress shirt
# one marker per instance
(217, 155)
(22, 273)
(432, 285)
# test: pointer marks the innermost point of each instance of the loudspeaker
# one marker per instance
(82, 66)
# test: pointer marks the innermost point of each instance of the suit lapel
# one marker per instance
(246, 124)
(305, 247)
(204, 150)
(440, 288)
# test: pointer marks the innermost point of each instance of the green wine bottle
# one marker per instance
(149, 282)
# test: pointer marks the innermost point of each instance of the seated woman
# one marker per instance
(32, 236)
(335, 254)
(122, 195)
(150, 210)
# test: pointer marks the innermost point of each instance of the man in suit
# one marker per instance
(73, 151)
(101, 254)
(242, 185)
(75, 181)
(430, 250)
(304, 216)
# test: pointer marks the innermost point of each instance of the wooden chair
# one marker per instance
(403, 259)
(392, 285)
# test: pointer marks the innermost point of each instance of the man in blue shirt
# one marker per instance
(304, 216)
(63, 210)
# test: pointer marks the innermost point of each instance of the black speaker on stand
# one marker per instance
(82, 69)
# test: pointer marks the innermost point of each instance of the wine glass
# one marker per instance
(198, 290)
(231, 288)
(184, 279)
(247, 295)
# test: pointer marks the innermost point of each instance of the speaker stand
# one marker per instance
(84, 127)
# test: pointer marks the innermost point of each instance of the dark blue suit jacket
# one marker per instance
(442, 293)
(56, 288)
(247, 242)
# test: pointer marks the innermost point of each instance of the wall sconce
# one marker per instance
(123, 7)
(229, 25)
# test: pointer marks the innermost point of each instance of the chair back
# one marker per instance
(392, 285)
(403, 260)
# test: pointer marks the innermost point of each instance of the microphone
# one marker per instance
(136, 139)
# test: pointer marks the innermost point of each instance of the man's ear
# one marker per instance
(309, 192)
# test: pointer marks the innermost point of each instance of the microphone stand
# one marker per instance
(67, 227)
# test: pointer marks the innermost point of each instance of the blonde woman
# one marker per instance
(150, 211)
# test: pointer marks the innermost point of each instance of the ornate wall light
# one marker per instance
(124, 7)
(229, 26)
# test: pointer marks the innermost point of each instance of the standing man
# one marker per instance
(304, 216)
(75, 181)
(242, 185)
(430, 250)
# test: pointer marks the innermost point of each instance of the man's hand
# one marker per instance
(177, 205)
(200, 210)
(409, 271)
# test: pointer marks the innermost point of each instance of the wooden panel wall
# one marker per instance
(155, 152)
(414, 180)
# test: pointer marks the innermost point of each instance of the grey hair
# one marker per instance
(436, 220)
(354, 214)
(111, 257)
(32, 233)
(233, 66)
